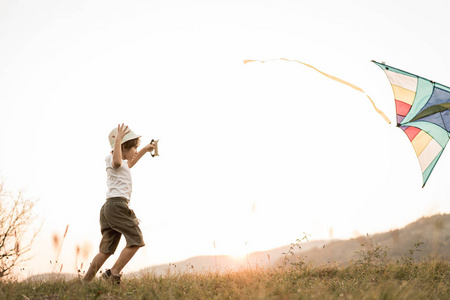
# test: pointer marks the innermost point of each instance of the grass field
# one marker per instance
(363, 279)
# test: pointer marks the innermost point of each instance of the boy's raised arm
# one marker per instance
(117, 154)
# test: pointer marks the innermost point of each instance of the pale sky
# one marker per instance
(251, 156)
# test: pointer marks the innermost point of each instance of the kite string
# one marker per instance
(330, 77)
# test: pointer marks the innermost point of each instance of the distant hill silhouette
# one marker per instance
(433, 232)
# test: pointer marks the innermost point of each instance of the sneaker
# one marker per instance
(114, 279)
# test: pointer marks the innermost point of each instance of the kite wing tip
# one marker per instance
(378, 63)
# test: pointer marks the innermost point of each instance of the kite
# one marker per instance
(422, 108)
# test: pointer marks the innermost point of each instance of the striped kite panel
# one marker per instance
(421, 141)
(401, 80)
(427, 156)
(404, 88)
(411, 132)
(403, 95)
(402, 108)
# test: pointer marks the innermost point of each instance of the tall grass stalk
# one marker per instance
(56, 241)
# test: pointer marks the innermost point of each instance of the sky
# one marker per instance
(252, 156)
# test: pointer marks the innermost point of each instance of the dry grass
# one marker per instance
(422, 280)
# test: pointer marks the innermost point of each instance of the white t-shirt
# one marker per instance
(118, 180)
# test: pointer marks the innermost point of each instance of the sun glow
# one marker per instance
(240, 252)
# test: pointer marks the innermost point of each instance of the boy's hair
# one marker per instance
(130, 144)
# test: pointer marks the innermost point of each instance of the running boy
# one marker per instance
(116, 218)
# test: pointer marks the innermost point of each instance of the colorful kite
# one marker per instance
(423, 114)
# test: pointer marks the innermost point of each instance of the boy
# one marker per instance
(116, 219)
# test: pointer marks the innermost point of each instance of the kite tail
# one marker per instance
(330, 77)
(379, 111)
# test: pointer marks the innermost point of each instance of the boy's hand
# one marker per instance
(122, 130)
(149, 147)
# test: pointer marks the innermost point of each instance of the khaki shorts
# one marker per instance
(116, 219)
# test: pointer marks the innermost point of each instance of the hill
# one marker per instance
(433, 232)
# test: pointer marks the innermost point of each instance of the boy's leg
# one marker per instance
(125, 256)
(96, 264)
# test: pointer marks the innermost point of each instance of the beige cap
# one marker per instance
(129, 136)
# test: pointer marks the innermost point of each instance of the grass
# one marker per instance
(363, 279)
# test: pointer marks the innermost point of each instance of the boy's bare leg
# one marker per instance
(96, 264)
(123, 259)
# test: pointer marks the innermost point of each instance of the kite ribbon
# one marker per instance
(331, 77)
